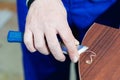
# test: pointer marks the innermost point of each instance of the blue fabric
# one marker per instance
(81, 14)
(111, 17)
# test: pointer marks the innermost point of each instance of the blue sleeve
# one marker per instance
(112, 16)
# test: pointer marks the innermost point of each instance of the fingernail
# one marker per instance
(77, 43)
(32, 51)
(76, 58)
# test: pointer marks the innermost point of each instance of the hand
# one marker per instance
(46, 19)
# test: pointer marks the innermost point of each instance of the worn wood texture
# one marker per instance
(105, 42)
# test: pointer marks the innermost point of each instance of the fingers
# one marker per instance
(28, 40)
(70, 43)
(39, 42)
(54, 45)
(76, 42)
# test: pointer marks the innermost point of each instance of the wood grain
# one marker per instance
(9, 6)
(105, 42)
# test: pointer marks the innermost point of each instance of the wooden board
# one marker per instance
(9, 6)
(105, 42)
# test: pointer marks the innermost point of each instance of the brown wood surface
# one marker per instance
(9, 6)
(105, 42)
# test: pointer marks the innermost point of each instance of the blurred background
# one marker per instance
(10, 53)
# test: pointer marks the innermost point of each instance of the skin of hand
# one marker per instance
(45, 20)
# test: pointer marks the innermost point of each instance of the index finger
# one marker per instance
(69, 41)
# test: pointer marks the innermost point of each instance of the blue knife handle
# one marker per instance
(16, 36)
